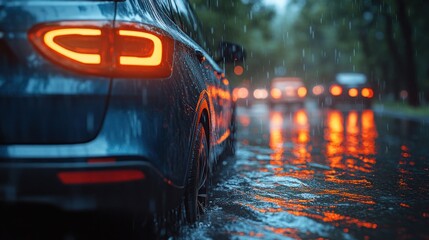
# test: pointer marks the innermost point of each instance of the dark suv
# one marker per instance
(110, 105)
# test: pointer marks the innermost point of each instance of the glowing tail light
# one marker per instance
(260, 94)
(353, 92)
(87, 58)
(302, 92)
(336, 90)
(128, 50)
(155, 57)
(243, 92)
(240, 93)
(318, 89)
(276, 93)
(367, 92)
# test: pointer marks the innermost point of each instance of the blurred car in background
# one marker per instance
(348, 88)
(245, 96)
(242, 96)
(287, 90)
(259, 95)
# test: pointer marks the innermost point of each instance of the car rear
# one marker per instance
(40, 103)
(81, 109)
(349, 89)
(287, 90)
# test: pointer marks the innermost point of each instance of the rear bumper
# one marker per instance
(40, 182)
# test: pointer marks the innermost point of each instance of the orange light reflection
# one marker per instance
(300, 137)
(298, 209)
(350, 148)
(334, 136)
(350, 139)
(286, 232)
(276, 138)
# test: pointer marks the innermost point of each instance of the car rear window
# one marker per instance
(351, 78)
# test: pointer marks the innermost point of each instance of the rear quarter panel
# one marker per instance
(168, 108)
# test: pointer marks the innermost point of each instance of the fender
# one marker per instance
(203, 104)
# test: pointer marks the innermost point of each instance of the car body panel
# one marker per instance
(147, 121)
(64, 107)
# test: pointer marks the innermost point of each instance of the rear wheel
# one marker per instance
(196, 197)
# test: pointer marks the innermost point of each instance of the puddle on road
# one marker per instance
(300, 176)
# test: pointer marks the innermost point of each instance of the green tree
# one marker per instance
(383, 38)
(243, 22)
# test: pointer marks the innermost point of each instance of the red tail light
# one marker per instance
(276, 93)
(302, 92)
(128, 50)
(260, 94)
(318, 89)
(367, 92)
(240, 93)
(353, 92)
(336, 90)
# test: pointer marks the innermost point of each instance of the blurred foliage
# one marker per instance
(401, 108)
(316, 39)
(247, 23)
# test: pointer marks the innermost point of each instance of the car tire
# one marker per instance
(196, 197)
(163, 225)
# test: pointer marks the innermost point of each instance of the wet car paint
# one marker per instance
(305, 173)
(142, 123)
(64, 107)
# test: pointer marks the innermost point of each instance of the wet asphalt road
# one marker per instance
(299, 173)
(305, 173)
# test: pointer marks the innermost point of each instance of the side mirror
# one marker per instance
(231, 52)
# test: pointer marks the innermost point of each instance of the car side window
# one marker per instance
(186, 19)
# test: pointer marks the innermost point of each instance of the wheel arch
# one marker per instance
(202, 114)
